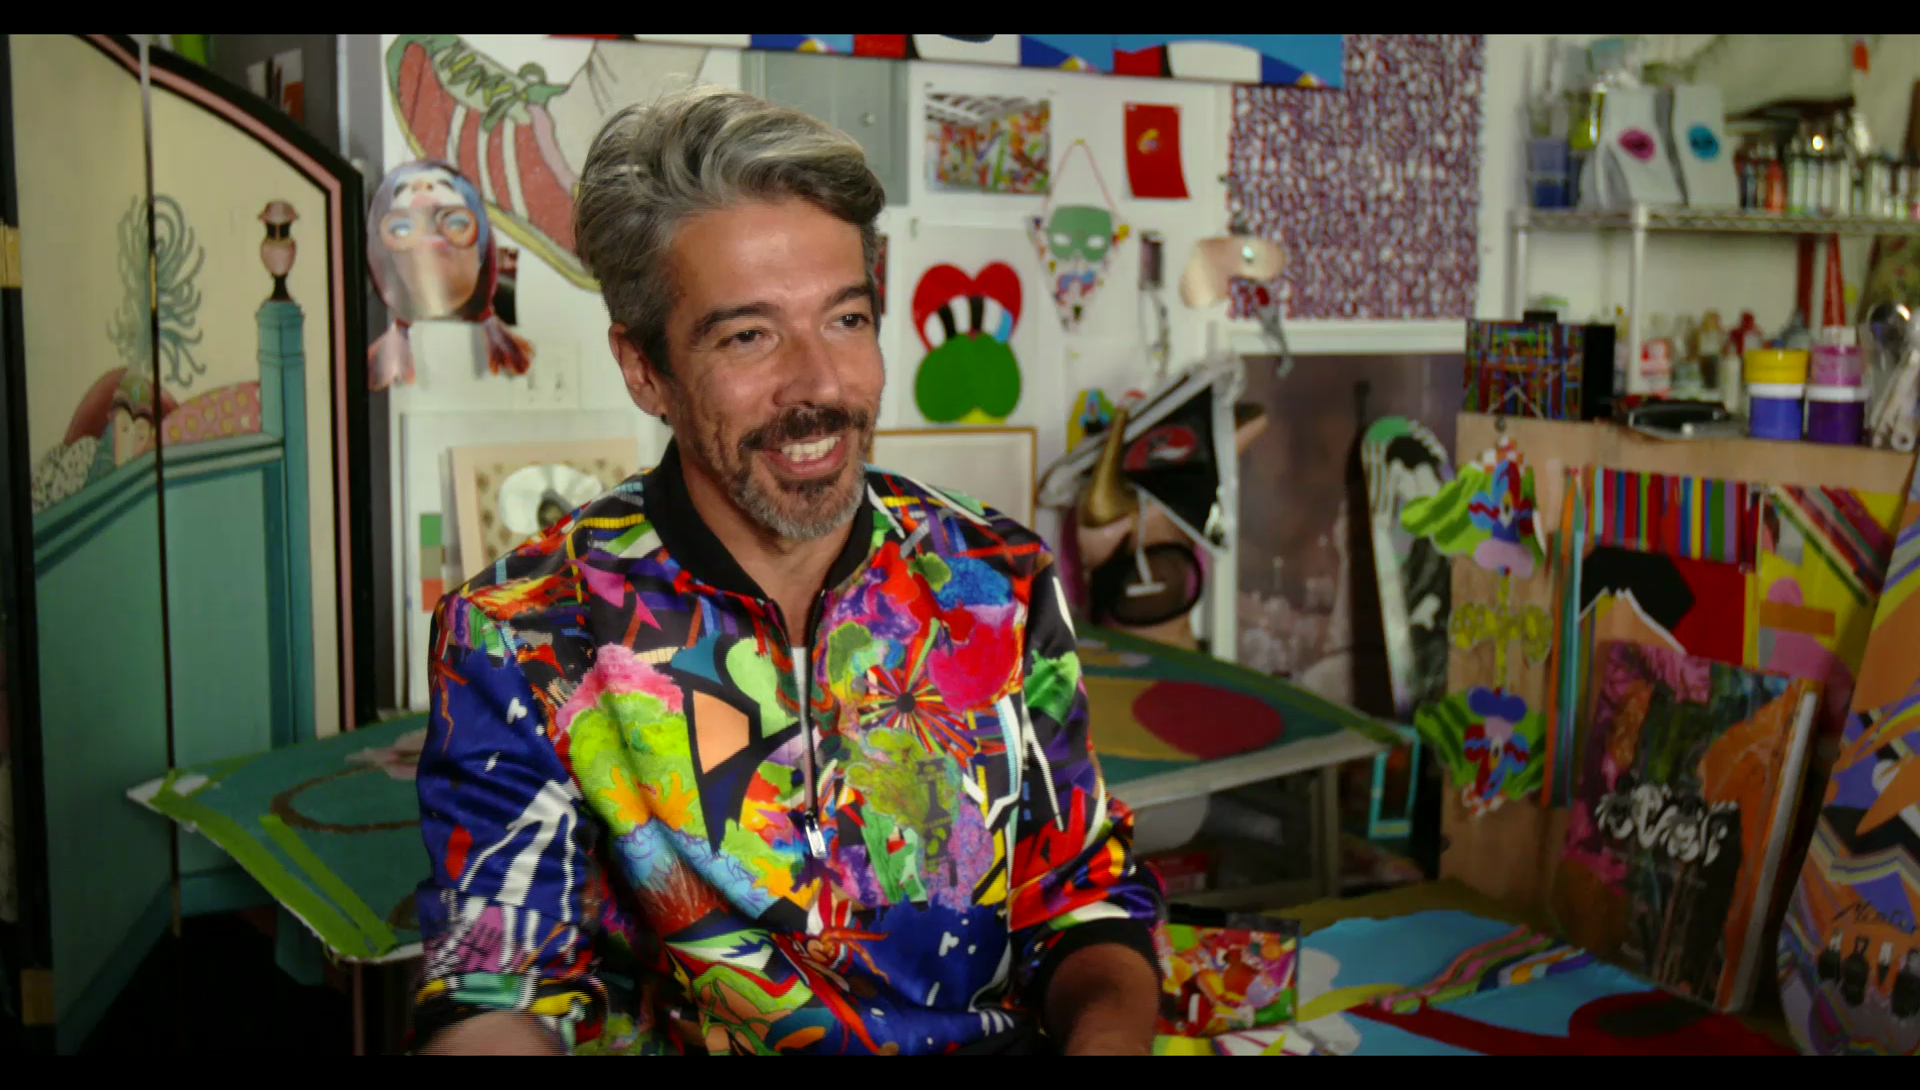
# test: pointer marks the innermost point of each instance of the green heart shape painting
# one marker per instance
(966, 323)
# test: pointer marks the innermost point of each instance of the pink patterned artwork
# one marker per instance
(217, 414)
(1376, 188)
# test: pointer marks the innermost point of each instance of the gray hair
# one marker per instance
(653, 167)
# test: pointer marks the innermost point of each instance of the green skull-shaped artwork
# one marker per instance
(1076, 242)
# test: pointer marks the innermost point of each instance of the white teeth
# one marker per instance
(810, 452)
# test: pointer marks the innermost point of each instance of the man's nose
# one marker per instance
(813, 372)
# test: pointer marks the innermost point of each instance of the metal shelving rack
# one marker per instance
(1642, 220)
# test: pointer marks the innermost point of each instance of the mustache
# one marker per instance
(805, 422)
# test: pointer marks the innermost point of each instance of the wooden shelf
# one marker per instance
(1710, 221)
(1761, 461)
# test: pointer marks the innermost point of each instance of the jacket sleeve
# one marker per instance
(504, 918)
(1075, 879)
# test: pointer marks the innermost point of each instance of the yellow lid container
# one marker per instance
(1776, 365)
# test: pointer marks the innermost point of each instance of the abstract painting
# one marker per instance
(987, 143)
(1375, 190)
(1849, 958)
(1685, 797)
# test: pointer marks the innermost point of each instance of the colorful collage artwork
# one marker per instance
(1687, 777)
(1489, 738)
(1445, 983)
(987, 143)
(1283, 60)
(1218, 980)
(1849, 951)
(1777, 578)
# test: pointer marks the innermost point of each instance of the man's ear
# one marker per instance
(645, 384)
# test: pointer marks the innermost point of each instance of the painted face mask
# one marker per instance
(1076, 242)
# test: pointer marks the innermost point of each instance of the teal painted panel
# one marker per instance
(217, 605)
(103, 726)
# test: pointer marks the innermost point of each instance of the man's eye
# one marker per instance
(856, 320)
(744, 337)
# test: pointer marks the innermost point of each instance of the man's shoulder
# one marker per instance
(544, 577)
(979, 525)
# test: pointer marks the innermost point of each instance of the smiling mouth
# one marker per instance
(816, 457)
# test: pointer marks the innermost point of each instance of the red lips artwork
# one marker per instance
(970, 374)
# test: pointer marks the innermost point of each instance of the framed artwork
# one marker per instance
(993, 465)
(429, 560)
(504, 495)
(987, 143)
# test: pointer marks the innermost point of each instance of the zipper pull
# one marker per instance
(816, 840)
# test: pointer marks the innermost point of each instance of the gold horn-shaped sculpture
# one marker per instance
(1108, 499)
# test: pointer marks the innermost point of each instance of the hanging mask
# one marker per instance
(1076, 243)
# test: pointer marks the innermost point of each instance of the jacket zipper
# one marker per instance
(803, 691)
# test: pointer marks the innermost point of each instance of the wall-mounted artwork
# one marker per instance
(971, 314)
(1075, 242)
(987, 143)
(519, 133)
(433, 561)
(507, 494)
(434, 257)
(1381, 219)
(1153, 152)
(1284, 60)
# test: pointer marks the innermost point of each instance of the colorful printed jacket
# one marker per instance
(628, 838)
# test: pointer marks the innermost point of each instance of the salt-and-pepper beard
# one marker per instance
(823, 506)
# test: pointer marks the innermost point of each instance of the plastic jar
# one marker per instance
(1775, 409)
(1836, 360)
(1775, 366)
(1836, 414)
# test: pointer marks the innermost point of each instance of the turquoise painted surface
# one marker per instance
(283, 376)
(217, 605)
(102, 701)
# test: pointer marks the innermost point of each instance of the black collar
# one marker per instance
(693, 545)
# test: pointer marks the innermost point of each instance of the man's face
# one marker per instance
(775, 366)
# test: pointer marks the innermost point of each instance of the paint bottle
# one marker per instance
(1775, 183)
(1656, 359)
(1799, 176)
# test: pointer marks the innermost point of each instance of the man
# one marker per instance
(764, 751)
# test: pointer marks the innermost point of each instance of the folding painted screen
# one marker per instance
(186, 479)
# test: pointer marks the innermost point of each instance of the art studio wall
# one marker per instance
(578, 82)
